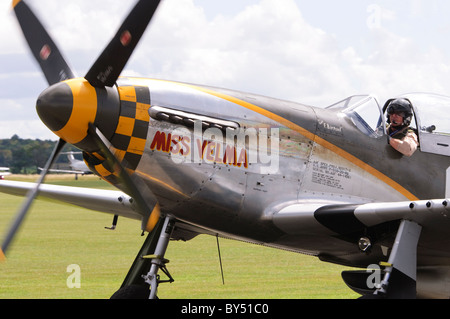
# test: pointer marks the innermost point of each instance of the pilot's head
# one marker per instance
(399, 112)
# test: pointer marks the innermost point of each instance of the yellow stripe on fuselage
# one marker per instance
(363, 165)
(312, 137)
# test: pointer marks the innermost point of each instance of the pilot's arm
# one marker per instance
(407, 145)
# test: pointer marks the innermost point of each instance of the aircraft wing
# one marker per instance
(313, 218)
(101, 200)
(107, 201)
(68, 171)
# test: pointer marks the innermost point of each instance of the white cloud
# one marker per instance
(267, 47)
(11, 42)
(26, 129)
(398, 65)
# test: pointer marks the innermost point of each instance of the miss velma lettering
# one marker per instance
(210, 151)
(239, 148)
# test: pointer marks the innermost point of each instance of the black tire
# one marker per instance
(132, 292)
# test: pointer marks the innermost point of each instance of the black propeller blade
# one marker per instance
(111, 62)
(147, 204)
(20, 216)
(44, 50)
(104, 72)
(55, 69)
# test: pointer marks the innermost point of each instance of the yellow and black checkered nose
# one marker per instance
(130, 132)
(68, 107)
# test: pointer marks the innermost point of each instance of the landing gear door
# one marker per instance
(433, 122)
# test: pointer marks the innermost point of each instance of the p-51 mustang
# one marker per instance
(76, 166)
(192, 159)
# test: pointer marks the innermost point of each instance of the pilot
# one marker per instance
(401, 136)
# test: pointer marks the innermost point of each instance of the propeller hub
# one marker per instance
(55, 105)
(68, 107)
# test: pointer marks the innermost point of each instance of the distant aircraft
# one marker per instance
(4, 171)
(193, 159)
(77, 166)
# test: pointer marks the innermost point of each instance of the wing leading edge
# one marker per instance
(303, 218)
(100, 200)
(300, 218)
(106, 201)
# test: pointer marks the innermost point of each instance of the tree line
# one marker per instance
(25, 156)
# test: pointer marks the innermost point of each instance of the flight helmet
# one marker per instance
(401, 106)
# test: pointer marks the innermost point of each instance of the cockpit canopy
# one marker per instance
(431, 118)
(365, 113)
(432, 113)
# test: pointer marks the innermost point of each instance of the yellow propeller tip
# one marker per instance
(15, 2)
(153, 218)
(2, 256)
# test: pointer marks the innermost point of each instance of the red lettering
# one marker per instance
(159, 142)
(217, 158)
(243, 158)
(185, 141)
(201, 151)
(229, 156)
(169, 140)
(175, 149)
(210, 151)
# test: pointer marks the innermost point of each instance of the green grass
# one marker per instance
(55, 236)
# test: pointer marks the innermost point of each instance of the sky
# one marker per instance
(311, 52)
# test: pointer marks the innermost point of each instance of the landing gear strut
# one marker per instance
(157, 259)
(142, 280)
(400, 272)
(401, 269)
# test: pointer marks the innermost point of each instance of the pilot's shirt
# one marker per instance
(403, 140)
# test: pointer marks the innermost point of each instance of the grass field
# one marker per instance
(55, 236)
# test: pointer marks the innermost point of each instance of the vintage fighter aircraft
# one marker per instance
(4, 171)
(76, 166)
(192, 159)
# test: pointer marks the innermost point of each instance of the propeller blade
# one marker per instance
(109, 65)
(28, 201)
(144, 198)
(44, 50)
